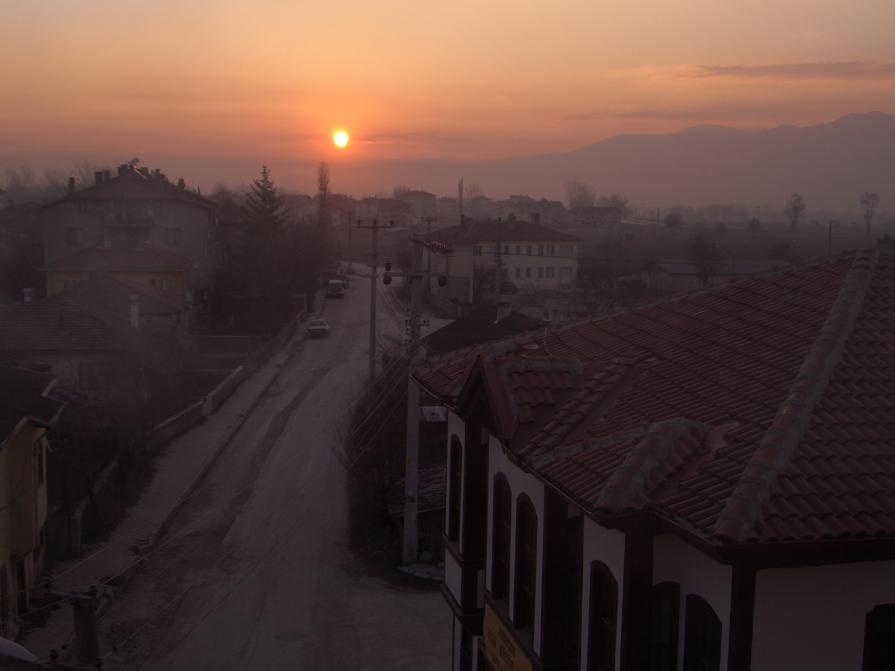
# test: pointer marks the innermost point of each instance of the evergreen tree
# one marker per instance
(265, 204)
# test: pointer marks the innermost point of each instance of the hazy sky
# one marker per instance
(270, 79)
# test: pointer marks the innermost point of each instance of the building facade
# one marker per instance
(663, 490)
(26, 413)
(527, 256)
(135, 207)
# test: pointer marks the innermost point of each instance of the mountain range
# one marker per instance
(829, 164)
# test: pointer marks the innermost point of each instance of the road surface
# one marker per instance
(255, 572)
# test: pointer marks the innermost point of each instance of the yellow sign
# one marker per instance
(501, 648)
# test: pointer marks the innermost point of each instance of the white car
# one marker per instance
(318, 328)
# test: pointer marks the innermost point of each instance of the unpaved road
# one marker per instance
(255, 572)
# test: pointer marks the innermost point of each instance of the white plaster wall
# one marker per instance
(676, 561)
(453, 577)
(520, 482)
(607, 546)
(813, 617)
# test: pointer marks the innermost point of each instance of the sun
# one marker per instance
(340, 139)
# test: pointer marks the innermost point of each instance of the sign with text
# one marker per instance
(501, 648)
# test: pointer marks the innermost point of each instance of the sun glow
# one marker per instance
(340, 139)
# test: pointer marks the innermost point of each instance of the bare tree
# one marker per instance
(580, 194)
(869, 201)
(705, 255)
(794, 209)
(615, 200)
(674, 221)
(473, 191)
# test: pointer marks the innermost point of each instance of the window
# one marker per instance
(162, 283)
(506, 249)
(540, 250)
(528, 250)
(173, 236)
(70, 284)
(702, 636)
(39, 462)
(565, 273)
(518, 273)
(455, 466)
(550, 270)
(528, 273)
(500, 538)
(566, 250)
(540, 273)
(476, 250)
(879, 639)
(603, 618)
(526, 563)
(518, 250)
(74, 236)
(551, 250)
(664, 630)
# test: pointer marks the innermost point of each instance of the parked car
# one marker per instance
(335, 289)
(318, 328)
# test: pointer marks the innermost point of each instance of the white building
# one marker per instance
(527, 255)
(702, 484)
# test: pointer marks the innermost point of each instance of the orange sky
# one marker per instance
(270, 79)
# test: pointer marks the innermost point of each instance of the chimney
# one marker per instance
(107, 175)
(145, 172)
(181, 184)
(536, 218)
(123, 169)
(27, 295)
(134, 300)
(98, 176)
(71, 185)
(157, 175)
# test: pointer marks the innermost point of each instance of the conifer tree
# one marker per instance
(265, 204)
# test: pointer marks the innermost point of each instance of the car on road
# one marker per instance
(318, 328)
(335, 289)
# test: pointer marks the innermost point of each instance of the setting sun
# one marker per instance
(340, 139)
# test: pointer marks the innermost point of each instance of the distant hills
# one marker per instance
(829, 164)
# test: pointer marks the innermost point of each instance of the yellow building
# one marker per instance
(26, 412)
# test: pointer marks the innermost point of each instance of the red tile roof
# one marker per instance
(133, 185)
(761, 410)
(472, 232)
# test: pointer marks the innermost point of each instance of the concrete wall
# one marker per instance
(607, 546)
(165, 431)
(676, 561)
(176, 282)
(813, 617)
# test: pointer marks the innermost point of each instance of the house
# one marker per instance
(160, 270)
(529, 256)
(385, 210)
(20, 249)
(98, 337)
(702, 483)
(27, 410)
(422, 203)
(595, 215)
(135, 207)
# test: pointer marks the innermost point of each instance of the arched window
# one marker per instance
(455, 465)
(664, 630)
(603, 618)
(500, 538)
(879, 639)
(702, 636)
(526, 563)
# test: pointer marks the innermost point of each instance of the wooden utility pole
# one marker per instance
(374, 227)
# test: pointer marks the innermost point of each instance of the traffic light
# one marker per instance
(387, 277)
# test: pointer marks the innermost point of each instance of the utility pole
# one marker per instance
(412, 444)
(411, 463)
(374, 227)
